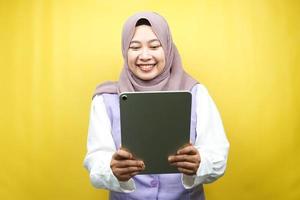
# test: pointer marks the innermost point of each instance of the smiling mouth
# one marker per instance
(146, 67)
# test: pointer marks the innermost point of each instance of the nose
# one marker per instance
(144, 55)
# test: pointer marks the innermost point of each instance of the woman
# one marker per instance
(152, 63)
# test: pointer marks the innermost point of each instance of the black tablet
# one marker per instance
(155, 125)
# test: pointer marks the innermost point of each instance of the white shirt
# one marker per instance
(211, 142)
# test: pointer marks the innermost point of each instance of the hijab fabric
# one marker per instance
(173, 77)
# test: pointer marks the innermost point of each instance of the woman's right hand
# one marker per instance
(124, 165)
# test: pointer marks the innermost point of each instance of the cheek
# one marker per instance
(131, 58)
(161, 57)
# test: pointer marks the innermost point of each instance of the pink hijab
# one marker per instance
(173, 76)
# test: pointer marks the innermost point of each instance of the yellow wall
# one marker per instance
(53, 53)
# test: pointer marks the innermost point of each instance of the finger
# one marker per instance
(184, 158)
(122, 154)
(190, 149)
(185, 145)
(186, 171)
(134, 173)
(186, 165)
(127, 176)
(127, 170)
(123, 178)
(129, 163)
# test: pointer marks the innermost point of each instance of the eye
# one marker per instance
(134, 47)
(155, 46)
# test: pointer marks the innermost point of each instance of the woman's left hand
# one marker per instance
(187, 160)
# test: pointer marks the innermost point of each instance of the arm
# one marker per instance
(211, 141)
(101, 149)
(205, 161)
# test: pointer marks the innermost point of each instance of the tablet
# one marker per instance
(155, 125)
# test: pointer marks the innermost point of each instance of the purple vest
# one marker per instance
(156, 186)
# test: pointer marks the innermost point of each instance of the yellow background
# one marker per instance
(53, 53)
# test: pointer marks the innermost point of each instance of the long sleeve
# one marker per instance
(100, 148)
(211, 141)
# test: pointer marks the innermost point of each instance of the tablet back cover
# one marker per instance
(155, 125)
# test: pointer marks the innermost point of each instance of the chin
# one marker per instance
(146, 77)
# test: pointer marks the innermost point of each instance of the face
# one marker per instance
(145, 56)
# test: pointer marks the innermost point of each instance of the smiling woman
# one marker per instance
(146, 58)
(152, 63)
(52, 54)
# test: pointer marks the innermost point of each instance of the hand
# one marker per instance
(124, 165)
(187, 160)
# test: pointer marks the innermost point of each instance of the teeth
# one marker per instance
(146, 67)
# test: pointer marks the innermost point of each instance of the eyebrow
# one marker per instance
(153, 40)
